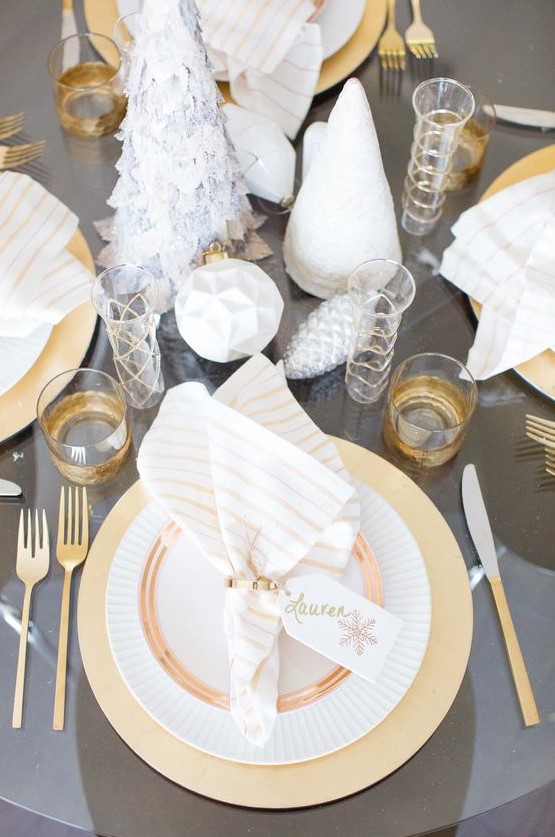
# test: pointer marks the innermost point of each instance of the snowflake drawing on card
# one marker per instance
(357, 632)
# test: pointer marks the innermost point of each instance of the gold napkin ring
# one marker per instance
(264, 584)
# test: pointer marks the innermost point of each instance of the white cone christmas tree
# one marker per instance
(179, 187)
(344, 212)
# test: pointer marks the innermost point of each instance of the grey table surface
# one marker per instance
(481, 756)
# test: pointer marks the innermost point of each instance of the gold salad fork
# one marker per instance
(71, 550)
(33, 557)
(10, 125)
(12, 156)
(419, 37)
(543, 431)
(391, 47)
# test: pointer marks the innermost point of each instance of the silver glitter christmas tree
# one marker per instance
(179, 186)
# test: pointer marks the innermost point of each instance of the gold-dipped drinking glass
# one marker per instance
(430, 402)
(83, 416)
(469, 153)
(85, 72)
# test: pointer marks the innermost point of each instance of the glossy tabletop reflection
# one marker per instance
(481, 756)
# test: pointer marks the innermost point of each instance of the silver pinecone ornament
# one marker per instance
(322, 342)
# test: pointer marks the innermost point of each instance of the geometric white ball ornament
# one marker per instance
(228, 309)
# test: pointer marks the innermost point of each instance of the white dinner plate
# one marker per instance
(187, 600)
(18, 354)
(338, 21)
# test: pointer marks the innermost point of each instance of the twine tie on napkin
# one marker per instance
(502, 257)
(40, 281)
(261, 490)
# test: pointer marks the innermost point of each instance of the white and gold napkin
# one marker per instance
(269, 51)
(258, 33)
(286, 94)
(40, 281)
(502, 257)
(260, 489)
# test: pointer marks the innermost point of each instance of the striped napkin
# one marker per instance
(258, 33)
(269, 51)
(502, 257)
(40, 281)
(260, 489)
(285, 95)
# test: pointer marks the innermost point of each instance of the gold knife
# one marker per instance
(70, 55)
(480, 530)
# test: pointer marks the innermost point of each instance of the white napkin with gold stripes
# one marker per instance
(502, 257)
(261, 489)
(270, 52)
(284, 95)
(258, 33)
(40, 281)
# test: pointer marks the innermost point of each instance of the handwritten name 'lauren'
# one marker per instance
(301, 609)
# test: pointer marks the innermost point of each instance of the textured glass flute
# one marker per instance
(380, 291)
(125, 296)
(442, 107)
(123, 34)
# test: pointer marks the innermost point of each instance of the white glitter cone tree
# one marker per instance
(180, 186)
(344, 212)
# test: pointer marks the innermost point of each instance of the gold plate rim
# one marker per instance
(339, 774)
(65, 349)
(102, 14)
(539, 371)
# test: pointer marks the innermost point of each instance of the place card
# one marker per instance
(338, 623)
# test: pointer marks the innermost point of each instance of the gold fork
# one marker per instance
(419, 37)
(391, 47)
(71, 550)
(12, 156)
(10, 125)
(543, 431)
(33, 556)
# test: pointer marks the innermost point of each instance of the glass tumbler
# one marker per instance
(429, 405)
(380, 291)
(125, 296)
(470, 151)
(85, 72)
(83, 416)
(442, 107)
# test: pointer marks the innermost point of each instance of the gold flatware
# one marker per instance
(71, 550)
(543, 431)
(10, 125)
(391, 47)
(12, 156)
(33, 557)
(540, 430)
(419, 37)
(480, 531)
(69, 27)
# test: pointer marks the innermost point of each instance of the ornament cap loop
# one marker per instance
(214, 253)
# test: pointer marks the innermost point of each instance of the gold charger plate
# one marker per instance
(539, 372)
(102, 14)
(65, 349)
(357, 766)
